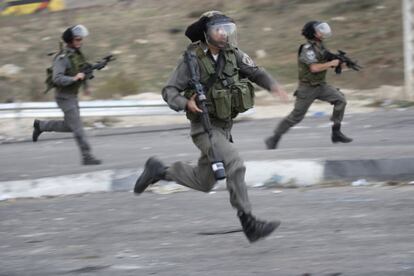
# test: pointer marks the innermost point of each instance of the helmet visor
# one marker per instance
(80, 30)
(222, 35)
(324, 29)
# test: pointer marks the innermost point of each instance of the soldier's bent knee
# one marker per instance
(207, 189)
(234, 165)
(295, 119)
(340, 102)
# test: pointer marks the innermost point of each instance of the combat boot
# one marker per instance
(154, 171)
(89, 159)
(36, 130)
(255, 229)
(338, 136)
(272, 141)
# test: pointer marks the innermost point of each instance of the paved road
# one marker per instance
(324, 231)
(385, 134)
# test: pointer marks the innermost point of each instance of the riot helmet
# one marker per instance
(323, 29)
(221, 32)
(310, 29)
(75, 31)
(214, 28)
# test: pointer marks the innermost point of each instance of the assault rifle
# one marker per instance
(343, 58)
(201, 100)
(88, 68)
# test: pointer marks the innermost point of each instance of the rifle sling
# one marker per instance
(218, 70)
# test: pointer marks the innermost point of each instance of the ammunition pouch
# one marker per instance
(224, 104)
(221, 99)
(242, 96)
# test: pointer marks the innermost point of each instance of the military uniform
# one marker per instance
(66, 65)
(231, 93)
(312, 86)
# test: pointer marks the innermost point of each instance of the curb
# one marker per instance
(270, 173)
(373, 169)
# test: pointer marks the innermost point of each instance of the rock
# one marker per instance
(9, 70)
(261, 53)
(338, 18)
(360, 182)
(141, 41)
(116, 52)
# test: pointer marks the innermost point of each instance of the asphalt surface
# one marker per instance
(324, 231)
(383, 134)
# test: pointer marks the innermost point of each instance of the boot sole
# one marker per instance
(338, 141)
(91, 164)
(276, 224)
(36, 132)
(269, 144)
(141, 185)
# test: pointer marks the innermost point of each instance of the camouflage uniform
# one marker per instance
(312, 86)
(65, 66)
(223, 106)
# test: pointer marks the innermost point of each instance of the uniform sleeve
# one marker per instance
(308, 55)
(176, 84)
(59, 67)
(254, 73)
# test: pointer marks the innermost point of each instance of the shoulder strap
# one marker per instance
(300, 49)
(218, 70)
(60, 52)
(190, 58)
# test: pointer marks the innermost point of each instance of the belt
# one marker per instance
(222, 123)
(310, 85)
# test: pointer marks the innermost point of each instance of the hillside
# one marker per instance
(147, 36)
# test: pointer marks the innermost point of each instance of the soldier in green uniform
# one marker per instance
(313, 66)
(225, 73)
(68, 79)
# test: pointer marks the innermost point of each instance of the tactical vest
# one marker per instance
(228, 95)
(305, 74)
(76, 61)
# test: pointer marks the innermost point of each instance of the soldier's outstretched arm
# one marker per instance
(177, 83)
(259, 75)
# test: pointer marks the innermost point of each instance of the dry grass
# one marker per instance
(147, 38)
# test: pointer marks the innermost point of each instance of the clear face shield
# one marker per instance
(324, 30)
(80, 31)
(222, 35)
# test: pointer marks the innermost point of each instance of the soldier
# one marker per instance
(223, 70)
(313, 65)
(68, 78)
